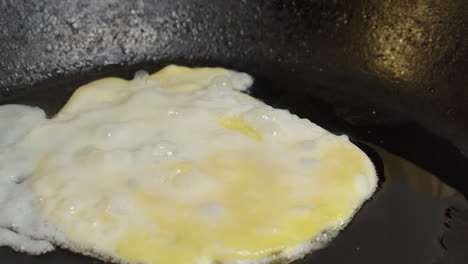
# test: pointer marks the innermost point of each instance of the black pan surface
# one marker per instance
(391, 74)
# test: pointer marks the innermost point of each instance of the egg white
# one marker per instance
(175, 167)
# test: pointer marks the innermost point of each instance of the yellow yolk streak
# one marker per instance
(260, 219)
(241, 126)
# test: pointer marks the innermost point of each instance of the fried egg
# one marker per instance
(175, 167)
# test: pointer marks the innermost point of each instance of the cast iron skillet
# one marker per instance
(390, 74)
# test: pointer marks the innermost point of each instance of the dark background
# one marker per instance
(417, 48)
(391, 73)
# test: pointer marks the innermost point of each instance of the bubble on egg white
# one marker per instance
(156, 152)
(72, 209)
(340, 222)
(173, 111)
(241, 81)
(220, 87)
(220, 82)
(90, 221)
(164, 148)
(106, 131)
(258, 114)
(263, 121)
(271, 129)
(140, 75)
(322, 237)
(142, 79)
(17, 178)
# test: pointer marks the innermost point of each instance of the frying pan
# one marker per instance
(390, 74)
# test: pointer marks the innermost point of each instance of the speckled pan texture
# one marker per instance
(390, 74)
